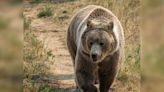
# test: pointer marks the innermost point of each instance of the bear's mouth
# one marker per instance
(94, 58)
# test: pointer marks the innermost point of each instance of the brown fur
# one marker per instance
(102, 22)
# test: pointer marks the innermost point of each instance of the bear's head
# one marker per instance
(98, 40)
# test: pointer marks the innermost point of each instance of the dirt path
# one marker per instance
(62, 67)
(52, 31)
(53, 34)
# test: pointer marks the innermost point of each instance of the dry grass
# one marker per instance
(36, 58)
(128, 13)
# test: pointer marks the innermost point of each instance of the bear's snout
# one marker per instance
(95, 53)
(94, 57)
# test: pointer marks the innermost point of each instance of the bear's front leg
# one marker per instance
(85, 81)
(84, 74)
(106, 79)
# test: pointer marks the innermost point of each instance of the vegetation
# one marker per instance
(27, 23)
(46, 12)
(128, 13)
(36, 58)
(36, 1)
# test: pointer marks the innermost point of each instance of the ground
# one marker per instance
(52, 32)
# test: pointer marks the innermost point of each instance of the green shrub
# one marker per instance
(36, 57)
(27, 23)
(37, 1)
(46, 12)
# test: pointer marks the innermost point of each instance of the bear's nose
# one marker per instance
(94, 57)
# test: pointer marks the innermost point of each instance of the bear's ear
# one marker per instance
(89, 24)
(110, 25)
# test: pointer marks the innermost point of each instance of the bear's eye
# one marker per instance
(91, 43)
(101, 44)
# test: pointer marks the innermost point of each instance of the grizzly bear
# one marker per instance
(95, 41)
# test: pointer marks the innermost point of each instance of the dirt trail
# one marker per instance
(53, 34)
(62, 68)
(52, 31)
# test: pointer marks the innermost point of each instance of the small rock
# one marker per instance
(63, 17)
(64, 11)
